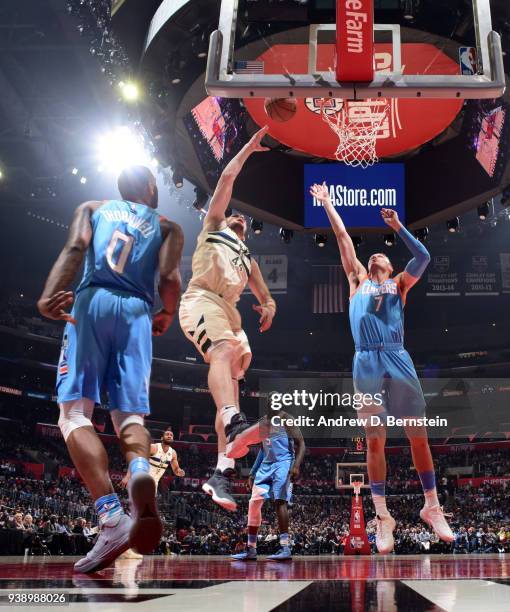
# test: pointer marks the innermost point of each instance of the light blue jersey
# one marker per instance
(110, 346)
(376, 314)
(278, 446)
(124, 252)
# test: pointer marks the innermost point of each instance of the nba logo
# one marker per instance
(468, 61)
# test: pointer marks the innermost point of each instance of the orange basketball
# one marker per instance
(281, 109)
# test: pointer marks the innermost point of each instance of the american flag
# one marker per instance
(328, 293)
(248, 67)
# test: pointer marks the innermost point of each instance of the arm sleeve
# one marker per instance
(258, 461)
(421, 257)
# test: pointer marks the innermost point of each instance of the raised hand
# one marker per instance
(320, 192)
(254, 145)
(390, 217)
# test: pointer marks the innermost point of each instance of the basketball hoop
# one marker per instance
(357, 125)
(357, 488)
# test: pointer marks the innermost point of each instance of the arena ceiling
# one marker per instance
(443, 177)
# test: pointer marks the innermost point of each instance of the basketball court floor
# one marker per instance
(462, 583)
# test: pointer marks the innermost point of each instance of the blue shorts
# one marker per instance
(109, 348)
(392, 374)
(272, 481)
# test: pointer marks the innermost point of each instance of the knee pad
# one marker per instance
(121, 420)
(255, 512)
(75, 414)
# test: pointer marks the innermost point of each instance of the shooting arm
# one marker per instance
(169, 261)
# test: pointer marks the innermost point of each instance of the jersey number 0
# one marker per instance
(118, 266)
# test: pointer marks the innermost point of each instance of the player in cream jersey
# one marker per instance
(222, 267)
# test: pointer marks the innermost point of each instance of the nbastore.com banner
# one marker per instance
(358, 195)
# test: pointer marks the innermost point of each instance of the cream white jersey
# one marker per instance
(159, 461)
(221, 264)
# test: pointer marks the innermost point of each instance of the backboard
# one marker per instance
(296, 49)
(347, 474)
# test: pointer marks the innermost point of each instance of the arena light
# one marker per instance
(320, 240)
(357, 241)
(421, 234)
(74, 171)
(83, 180)
(485, 210)
(178, 178)
(286, 235)
(201, 198)
(257, 226)
(389, 240)
(453, 225)
(130, 91)
(122, 148)
(1, 175)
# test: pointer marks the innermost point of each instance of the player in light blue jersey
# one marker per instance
(383, 368)
(275, 469)
(107, 345)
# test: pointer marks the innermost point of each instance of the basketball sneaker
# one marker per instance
(130, 554)
(384, 534)
(112, 541)
(284, 554)
(218, 487)
(435, 518)
(147, 527)
(241, 435)
(250, 554)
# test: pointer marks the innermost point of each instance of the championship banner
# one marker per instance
(480, 278)
(504, 259)
(274, 271)
(443, 278)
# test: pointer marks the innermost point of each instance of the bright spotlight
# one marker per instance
(83, 180)
(1, 175)
(74, 171)
(122, 148)
(130, 91)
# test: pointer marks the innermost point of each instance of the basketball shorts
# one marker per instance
(109, 349)
(272, 481)
(391, 374)
(206, 318)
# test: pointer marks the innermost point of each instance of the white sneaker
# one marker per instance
(435, 518)
(130, 554)
(384, 534)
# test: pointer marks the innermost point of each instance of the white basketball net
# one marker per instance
(357, 134)
(357, 488)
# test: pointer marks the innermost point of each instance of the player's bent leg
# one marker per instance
(431, 513)
(91, 461)
(147, 528)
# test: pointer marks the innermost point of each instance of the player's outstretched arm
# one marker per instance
(56, 298)
(421, 257)
(176, 469)
(267, 307)
(350, 263)
(223, 193)
(169, 287)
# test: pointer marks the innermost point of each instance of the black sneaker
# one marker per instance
(240, 435)
(218, 487)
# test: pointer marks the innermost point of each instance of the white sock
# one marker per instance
(224, 463)
(431, 498)
(226, 413)
(380, 505)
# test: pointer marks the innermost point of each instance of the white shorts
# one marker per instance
(206, 319)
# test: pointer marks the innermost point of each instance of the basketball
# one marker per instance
(281, 109)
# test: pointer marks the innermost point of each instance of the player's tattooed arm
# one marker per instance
(353, 268)
(56, 297)
(176, 468)
(215, 217)
(299, 448)
(421, 257)
(267, 306)
(169, 287)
